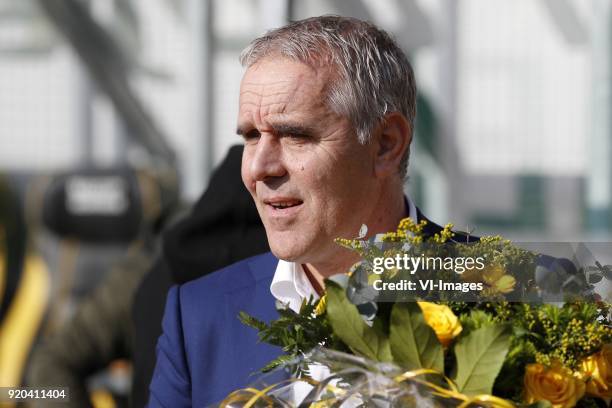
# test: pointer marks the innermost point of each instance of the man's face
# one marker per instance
(310, 178)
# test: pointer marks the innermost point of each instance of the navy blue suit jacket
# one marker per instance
(205, 352)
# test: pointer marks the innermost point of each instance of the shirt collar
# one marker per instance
(290, 285)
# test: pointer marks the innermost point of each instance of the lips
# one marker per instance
(279, 204)
(283, 205)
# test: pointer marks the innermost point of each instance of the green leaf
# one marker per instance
(348, 325)
(480, 356)
(251, 321)
(277, 362)
(413, 343)
(378, 332)
(475, 320)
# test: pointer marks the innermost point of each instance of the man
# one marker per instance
(327, 109)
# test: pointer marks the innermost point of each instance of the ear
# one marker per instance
(393, 136)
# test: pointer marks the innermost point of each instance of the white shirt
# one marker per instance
(290, 285)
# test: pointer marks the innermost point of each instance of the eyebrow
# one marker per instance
(282, 128)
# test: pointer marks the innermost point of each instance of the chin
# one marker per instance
(287, 247)
(285, 253)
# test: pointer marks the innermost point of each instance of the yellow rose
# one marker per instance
(597, 372)
(555, 384)
(442, 320)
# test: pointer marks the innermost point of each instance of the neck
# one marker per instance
(318, 272)
(385, 216)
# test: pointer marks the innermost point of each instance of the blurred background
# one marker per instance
(114, 113)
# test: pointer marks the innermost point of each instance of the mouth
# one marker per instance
(283, 205)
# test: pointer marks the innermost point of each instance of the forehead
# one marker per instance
(281, 85)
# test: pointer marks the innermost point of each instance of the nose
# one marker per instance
(266, 158)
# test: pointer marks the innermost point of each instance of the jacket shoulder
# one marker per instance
(203, 342)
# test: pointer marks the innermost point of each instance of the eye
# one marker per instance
(251, 135)
(296, 136)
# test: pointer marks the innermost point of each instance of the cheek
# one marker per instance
(329, 195)
(326, 180)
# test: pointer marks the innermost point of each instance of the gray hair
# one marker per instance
(375, 77)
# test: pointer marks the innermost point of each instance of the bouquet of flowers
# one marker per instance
(470, 325)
